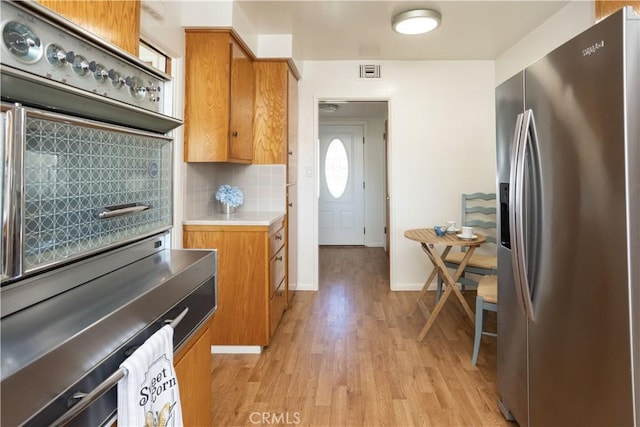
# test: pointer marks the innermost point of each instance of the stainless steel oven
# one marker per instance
(87, 271)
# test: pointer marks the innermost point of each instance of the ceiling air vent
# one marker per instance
(369, 71)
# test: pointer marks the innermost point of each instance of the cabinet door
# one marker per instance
(270, 114)
(115, 21)
(241, 115)
(605, 8)
(193, 369)
(242, 317)
(292, 138)
(207, 79)
(292, 241)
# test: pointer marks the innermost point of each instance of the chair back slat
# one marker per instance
(487, 210)
(479, 212)
(480, 196)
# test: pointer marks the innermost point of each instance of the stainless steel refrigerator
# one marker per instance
(568, 158)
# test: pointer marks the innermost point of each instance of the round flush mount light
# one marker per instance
(417, 21)
(328, 108)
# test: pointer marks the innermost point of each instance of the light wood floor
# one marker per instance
(347, 356)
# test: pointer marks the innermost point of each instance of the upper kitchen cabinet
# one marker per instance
(115, 21)
(292, 112)
(275, 114)
(605, 8)
(219, 98)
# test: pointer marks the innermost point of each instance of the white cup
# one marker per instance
(467, 231)
(451, 225)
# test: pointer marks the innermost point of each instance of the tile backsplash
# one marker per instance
(263, 186)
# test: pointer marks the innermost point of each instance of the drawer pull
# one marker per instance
(279, 258)
(278, 237)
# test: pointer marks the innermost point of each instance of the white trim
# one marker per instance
(316, 177)
(305, 287)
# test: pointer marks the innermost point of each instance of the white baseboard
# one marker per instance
(398, 287)
(236, 349)
(305, 287)
(411, 287)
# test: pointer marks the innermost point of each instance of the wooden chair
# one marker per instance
(486, 300)
(479, 212)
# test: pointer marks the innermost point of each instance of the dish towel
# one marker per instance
(148, 395)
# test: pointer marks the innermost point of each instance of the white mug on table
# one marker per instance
(451, 226)
(467, 231)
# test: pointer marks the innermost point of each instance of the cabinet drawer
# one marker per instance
(276, 308)
(277, 269)
(276, 240)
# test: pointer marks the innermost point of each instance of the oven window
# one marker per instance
(73, 172)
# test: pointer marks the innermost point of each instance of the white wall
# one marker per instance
(442, 143)
(571, 20)
(438, 111)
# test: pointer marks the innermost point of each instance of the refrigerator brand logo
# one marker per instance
(593, 48)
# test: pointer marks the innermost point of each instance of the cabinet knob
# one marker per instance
(278, 237)
(290, 204)
(290, 153)
(279, 258)
(235, 134)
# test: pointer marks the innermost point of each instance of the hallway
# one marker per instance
(347, 356)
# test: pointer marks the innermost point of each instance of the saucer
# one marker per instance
(472, 237)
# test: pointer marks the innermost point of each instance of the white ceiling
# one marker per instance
(356, 30)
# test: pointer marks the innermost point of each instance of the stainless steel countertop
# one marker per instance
(238, 218)
(62, 338)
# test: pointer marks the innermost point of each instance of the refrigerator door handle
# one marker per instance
(527, 139)
(515, 165)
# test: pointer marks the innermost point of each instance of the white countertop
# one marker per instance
(237, 218)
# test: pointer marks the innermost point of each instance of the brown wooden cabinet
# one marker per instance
(275, 113)
(251, 279)
(219, 98)
(292, 138)
(605, 8)
(193, 369)
(292, 240)
(116, 21)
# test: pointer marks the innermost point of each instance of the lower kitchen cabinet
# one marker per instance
(193, 369)
(252, 281)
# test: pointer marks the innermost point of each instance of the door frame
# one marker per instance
(316, 176)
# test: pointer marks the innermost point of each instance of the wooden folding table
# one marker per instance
(428, 240)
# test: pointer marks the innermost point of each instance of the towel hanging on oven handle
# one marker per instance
(87, 398)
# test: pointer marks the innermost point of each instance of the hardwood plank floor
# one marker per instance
(348, 356)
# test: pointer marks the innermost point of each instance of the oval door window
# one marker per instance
(336, 168)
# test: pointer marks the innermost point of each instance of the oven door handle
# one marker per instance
(86, 399)
(119, 210)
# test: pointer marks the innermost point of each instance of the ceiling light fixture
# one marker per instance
(328, 108)
(417, 21)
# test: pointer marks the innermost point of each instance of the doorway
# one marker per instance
(353, 135)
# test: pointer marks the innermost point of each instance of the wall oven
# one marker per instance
(87, 271)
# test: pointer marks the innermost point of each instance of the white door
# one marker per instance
(341, 203)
